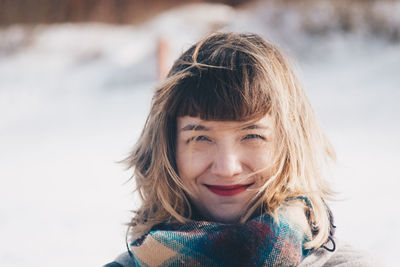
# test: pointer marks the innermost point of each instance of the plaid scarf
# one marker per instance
(261, 241)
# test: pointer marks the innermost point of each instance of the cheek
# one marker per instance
(259, 159)
(191, 163)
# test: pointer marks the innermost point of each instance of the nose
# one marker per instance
(226, 163)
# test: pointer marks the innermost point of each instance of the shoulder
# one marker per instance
(345, 255)
(123, 260)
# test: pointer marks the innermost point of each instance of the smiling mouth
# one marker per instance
(228, 190)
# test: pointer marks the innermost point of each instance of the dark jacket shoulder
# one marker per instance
(123, 260)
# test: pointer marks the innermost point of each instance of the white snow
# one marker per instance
(74, 97)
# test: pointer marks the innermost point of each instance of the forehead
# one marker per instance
(187, 123)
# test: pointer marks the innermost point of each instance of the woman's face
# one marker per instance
(222, 163)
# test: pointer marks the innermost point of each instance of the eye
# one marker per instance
(202, 138)
(199, 138)
(253, 136)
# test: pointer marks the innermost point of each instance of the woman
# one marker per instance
(230, 165)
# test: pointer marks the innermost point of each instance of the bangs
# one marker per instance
(222, 92)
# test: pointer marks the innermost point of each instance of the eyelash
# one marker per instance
(204, 138)
(198, 138)
(251, 136)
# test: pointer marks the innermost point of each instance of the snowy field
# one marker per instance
(73, 99)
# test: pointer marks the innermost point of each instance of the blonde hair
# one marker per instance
(233, 77)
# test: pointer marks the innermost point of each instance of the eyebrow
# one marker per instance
(199, 127)
(255, 126)
(192, 127)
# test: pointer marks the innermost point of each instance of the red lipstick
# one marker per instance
(227, 190)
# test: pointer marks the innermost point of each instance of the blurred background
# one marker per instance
(76, 79)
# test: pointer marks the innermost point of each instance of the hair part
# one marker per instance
(232, 77)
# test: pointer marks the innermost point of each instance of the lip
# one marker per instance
(228, 190)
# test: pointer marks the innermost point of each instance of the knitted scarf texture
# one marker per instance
(261, 241)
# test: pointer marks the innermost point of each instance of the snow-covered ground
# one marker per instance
(73, 99)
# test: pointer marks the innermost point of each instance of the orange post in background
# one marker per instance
(162, 58)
